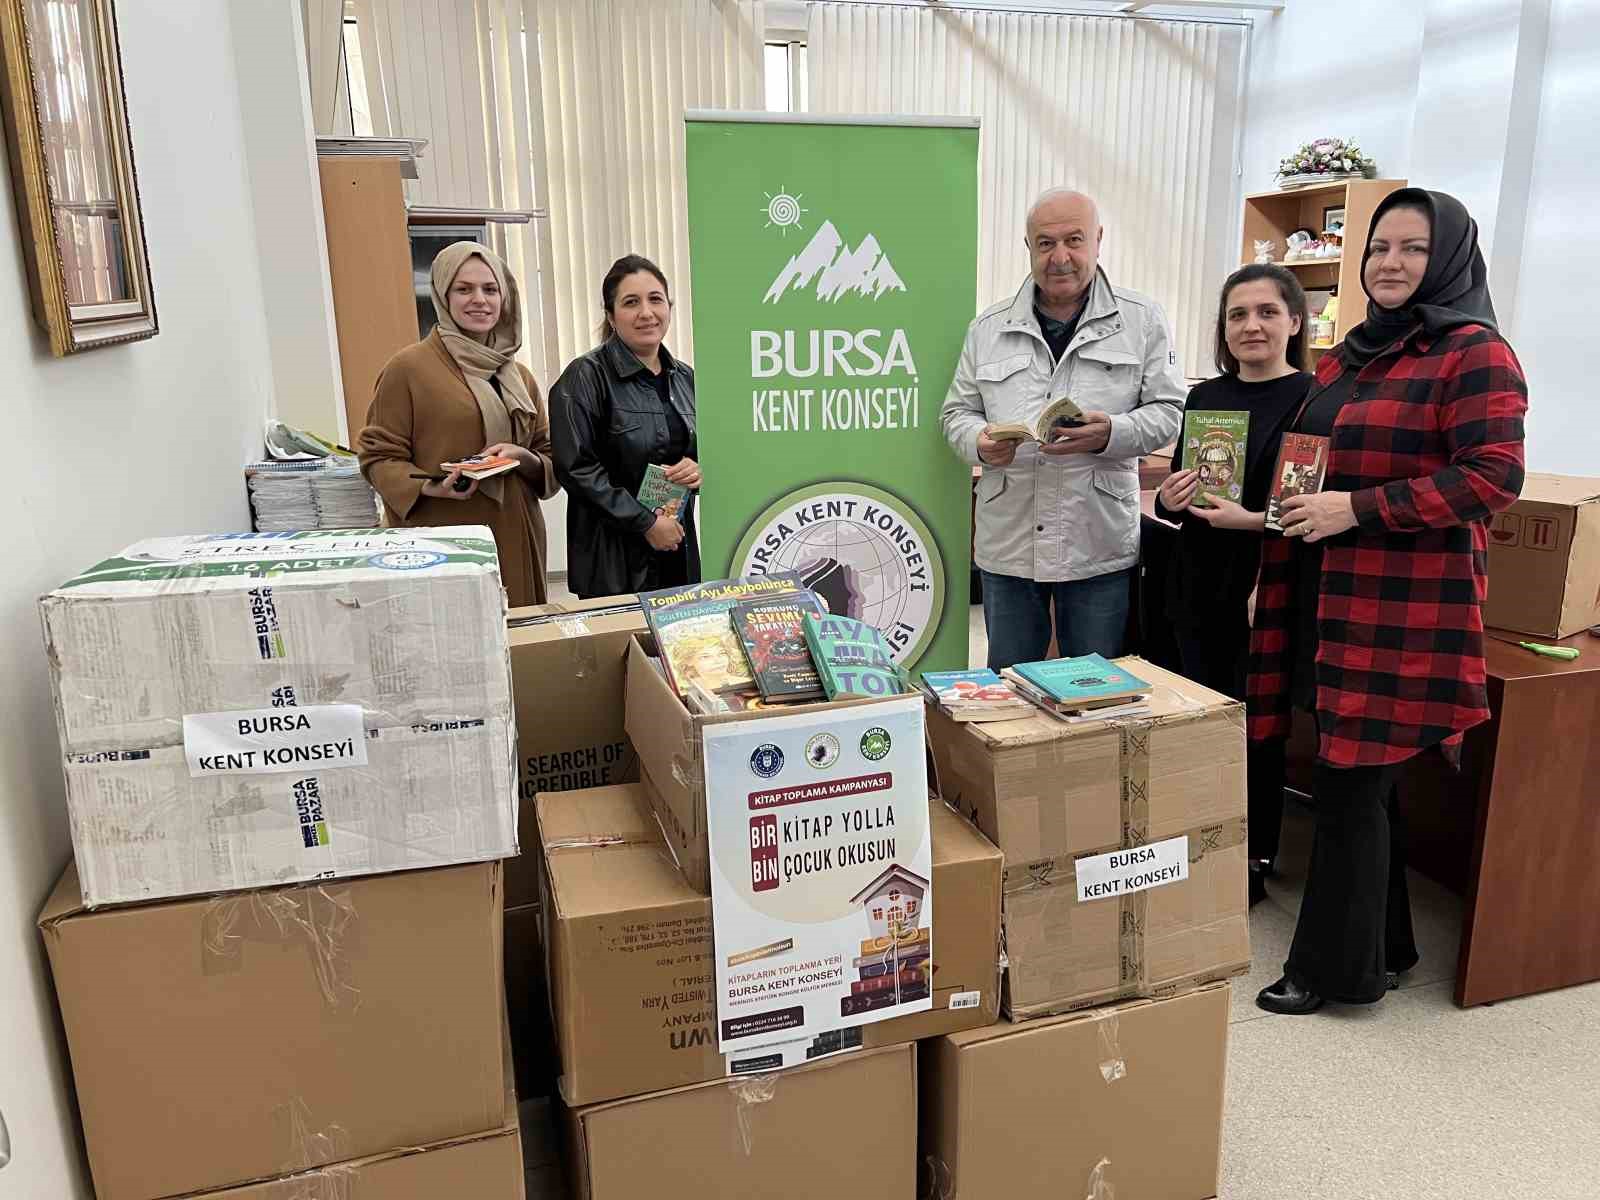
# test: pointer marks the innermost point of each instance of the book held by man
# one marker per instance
(1302, 466)
(659, 494)
(1060, 414)
(774, 637)
(1214, 447)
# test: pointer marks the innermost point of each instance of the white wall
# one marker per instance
(1493, 101)
(1322, 70)
(1558, 300)
(102, 449)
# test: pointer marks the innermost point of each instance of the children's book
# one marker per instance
(1214, 446)
(1302, 466)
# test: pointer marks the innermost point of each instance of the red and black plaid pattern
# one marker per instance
(1430, 446)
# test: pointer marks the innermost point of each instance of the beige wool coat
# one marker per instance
(423, 414)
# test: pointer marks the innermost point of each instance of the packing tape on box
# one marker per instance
(937, 1181)
(581, 650)
(309, 1146)
(313, 917)
(750, 1091)
(1108, 1025)
(1099, 1186)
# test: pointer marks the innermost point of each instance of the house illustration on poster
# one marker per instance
(893, 902)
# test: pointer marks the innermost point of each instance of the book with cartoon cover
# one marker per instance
(1214, 447)
(1302, 466)
(659, 494)
(694, 634)
(851, 657)
(774, 637)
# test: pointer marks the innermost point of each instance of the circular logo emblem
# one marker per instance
(866, 552)
(875, 744)
(766, 760)
(406, 560)
(822, 751)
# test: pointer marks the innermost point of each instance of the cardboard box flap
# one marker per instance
(1542, 488)
(606, 854)
(956, 839)
(1021, 1029)
(1172, 697)
(65, 900)
(573, 619)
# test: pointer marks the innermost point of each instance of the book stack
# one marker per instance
(1081, 689)
(891, 969)
(979, 695)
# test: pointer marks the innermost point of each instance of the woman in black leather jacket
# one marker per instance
(623, 405)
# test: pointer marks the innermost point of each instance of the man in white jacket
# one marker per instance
(1058, 524)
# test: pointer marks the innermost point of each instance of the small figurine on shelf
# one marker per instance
(1264, 250)
(1301, 242)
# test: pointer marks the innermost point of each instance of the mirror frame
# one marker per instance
(72, 327)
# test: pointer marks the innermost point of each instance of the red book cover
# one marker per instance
(1301, 468)
(774, 638)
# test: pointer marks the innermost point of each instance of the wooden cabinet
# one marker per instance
(369, 264)
(1273, 216)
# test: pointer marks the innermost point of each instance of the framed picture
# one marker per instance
(1333, 219)
(72, 171)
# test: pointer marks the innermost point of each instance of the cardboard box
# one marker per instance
(485, 1167)
(667, 736)
(369, 666)
(629, 949)
(1051, 794)
(1033, 1109)
(1544, 558)
(844, 1127)
(567, 666)
(223, 1039)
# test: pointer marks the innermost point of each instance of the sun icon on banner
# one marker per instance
(784, 211)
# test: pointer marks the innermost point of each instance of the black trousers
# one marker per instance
(1355, 919)
(1218, 657)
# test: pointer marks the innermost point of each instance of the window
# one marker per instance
(877, 914)
(785, 64)
(355, 82)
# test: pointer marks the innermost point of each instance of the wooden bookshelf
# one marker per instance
(1275, 215)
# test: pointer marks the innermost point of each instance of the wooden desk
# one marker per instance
(1533, 897)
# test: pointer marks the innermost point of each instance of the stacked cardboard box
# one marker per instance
(1061, 800)
(1125, 906)
(219, 1040)
(249, 710)
(254, 728)
(567, 666)
(1544, 558)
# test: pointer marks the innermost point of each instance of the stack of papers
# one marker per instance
(327, 493)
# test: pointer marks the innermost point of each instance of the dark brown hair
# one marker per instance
(1294, 299)
(628, 264)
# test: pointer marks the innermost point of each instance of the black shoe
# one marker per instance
(1258, 885)
(1288, 999)
(1393, 979)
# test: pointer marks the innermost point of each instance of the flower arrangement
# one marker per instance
(1326, 157)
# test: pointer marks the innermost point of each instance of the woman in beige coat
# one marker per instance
(460, 392)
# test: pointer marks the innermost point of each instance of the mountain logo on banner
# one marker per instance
(837, 270)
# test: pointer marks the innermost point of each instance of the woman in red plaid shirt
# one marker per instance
(1369, 609)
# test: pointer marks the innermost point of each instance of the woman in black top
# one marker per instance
(1261, 347)
(616, 409)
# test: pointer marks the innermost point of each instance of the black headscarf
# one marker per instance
(1454, 290)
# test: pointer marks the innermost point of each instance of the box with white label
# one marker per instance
(244, 710)
(1124, 842)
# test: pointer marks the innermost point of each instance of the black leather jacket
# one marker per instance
(606, 424)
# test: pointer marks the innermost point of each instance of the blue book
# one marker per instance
(1082, 682)
(938, 681)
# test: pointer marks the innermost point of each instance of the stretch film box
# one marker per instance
(1124, 843)
(242, 710)
(223, 1039)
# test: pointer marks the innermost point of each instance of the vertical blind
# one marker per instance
(1138, 114)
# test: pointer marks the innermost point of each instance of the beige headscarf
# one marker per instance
(511, 415)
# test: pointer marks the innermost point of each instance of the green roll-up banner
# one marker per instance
(834, 266)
